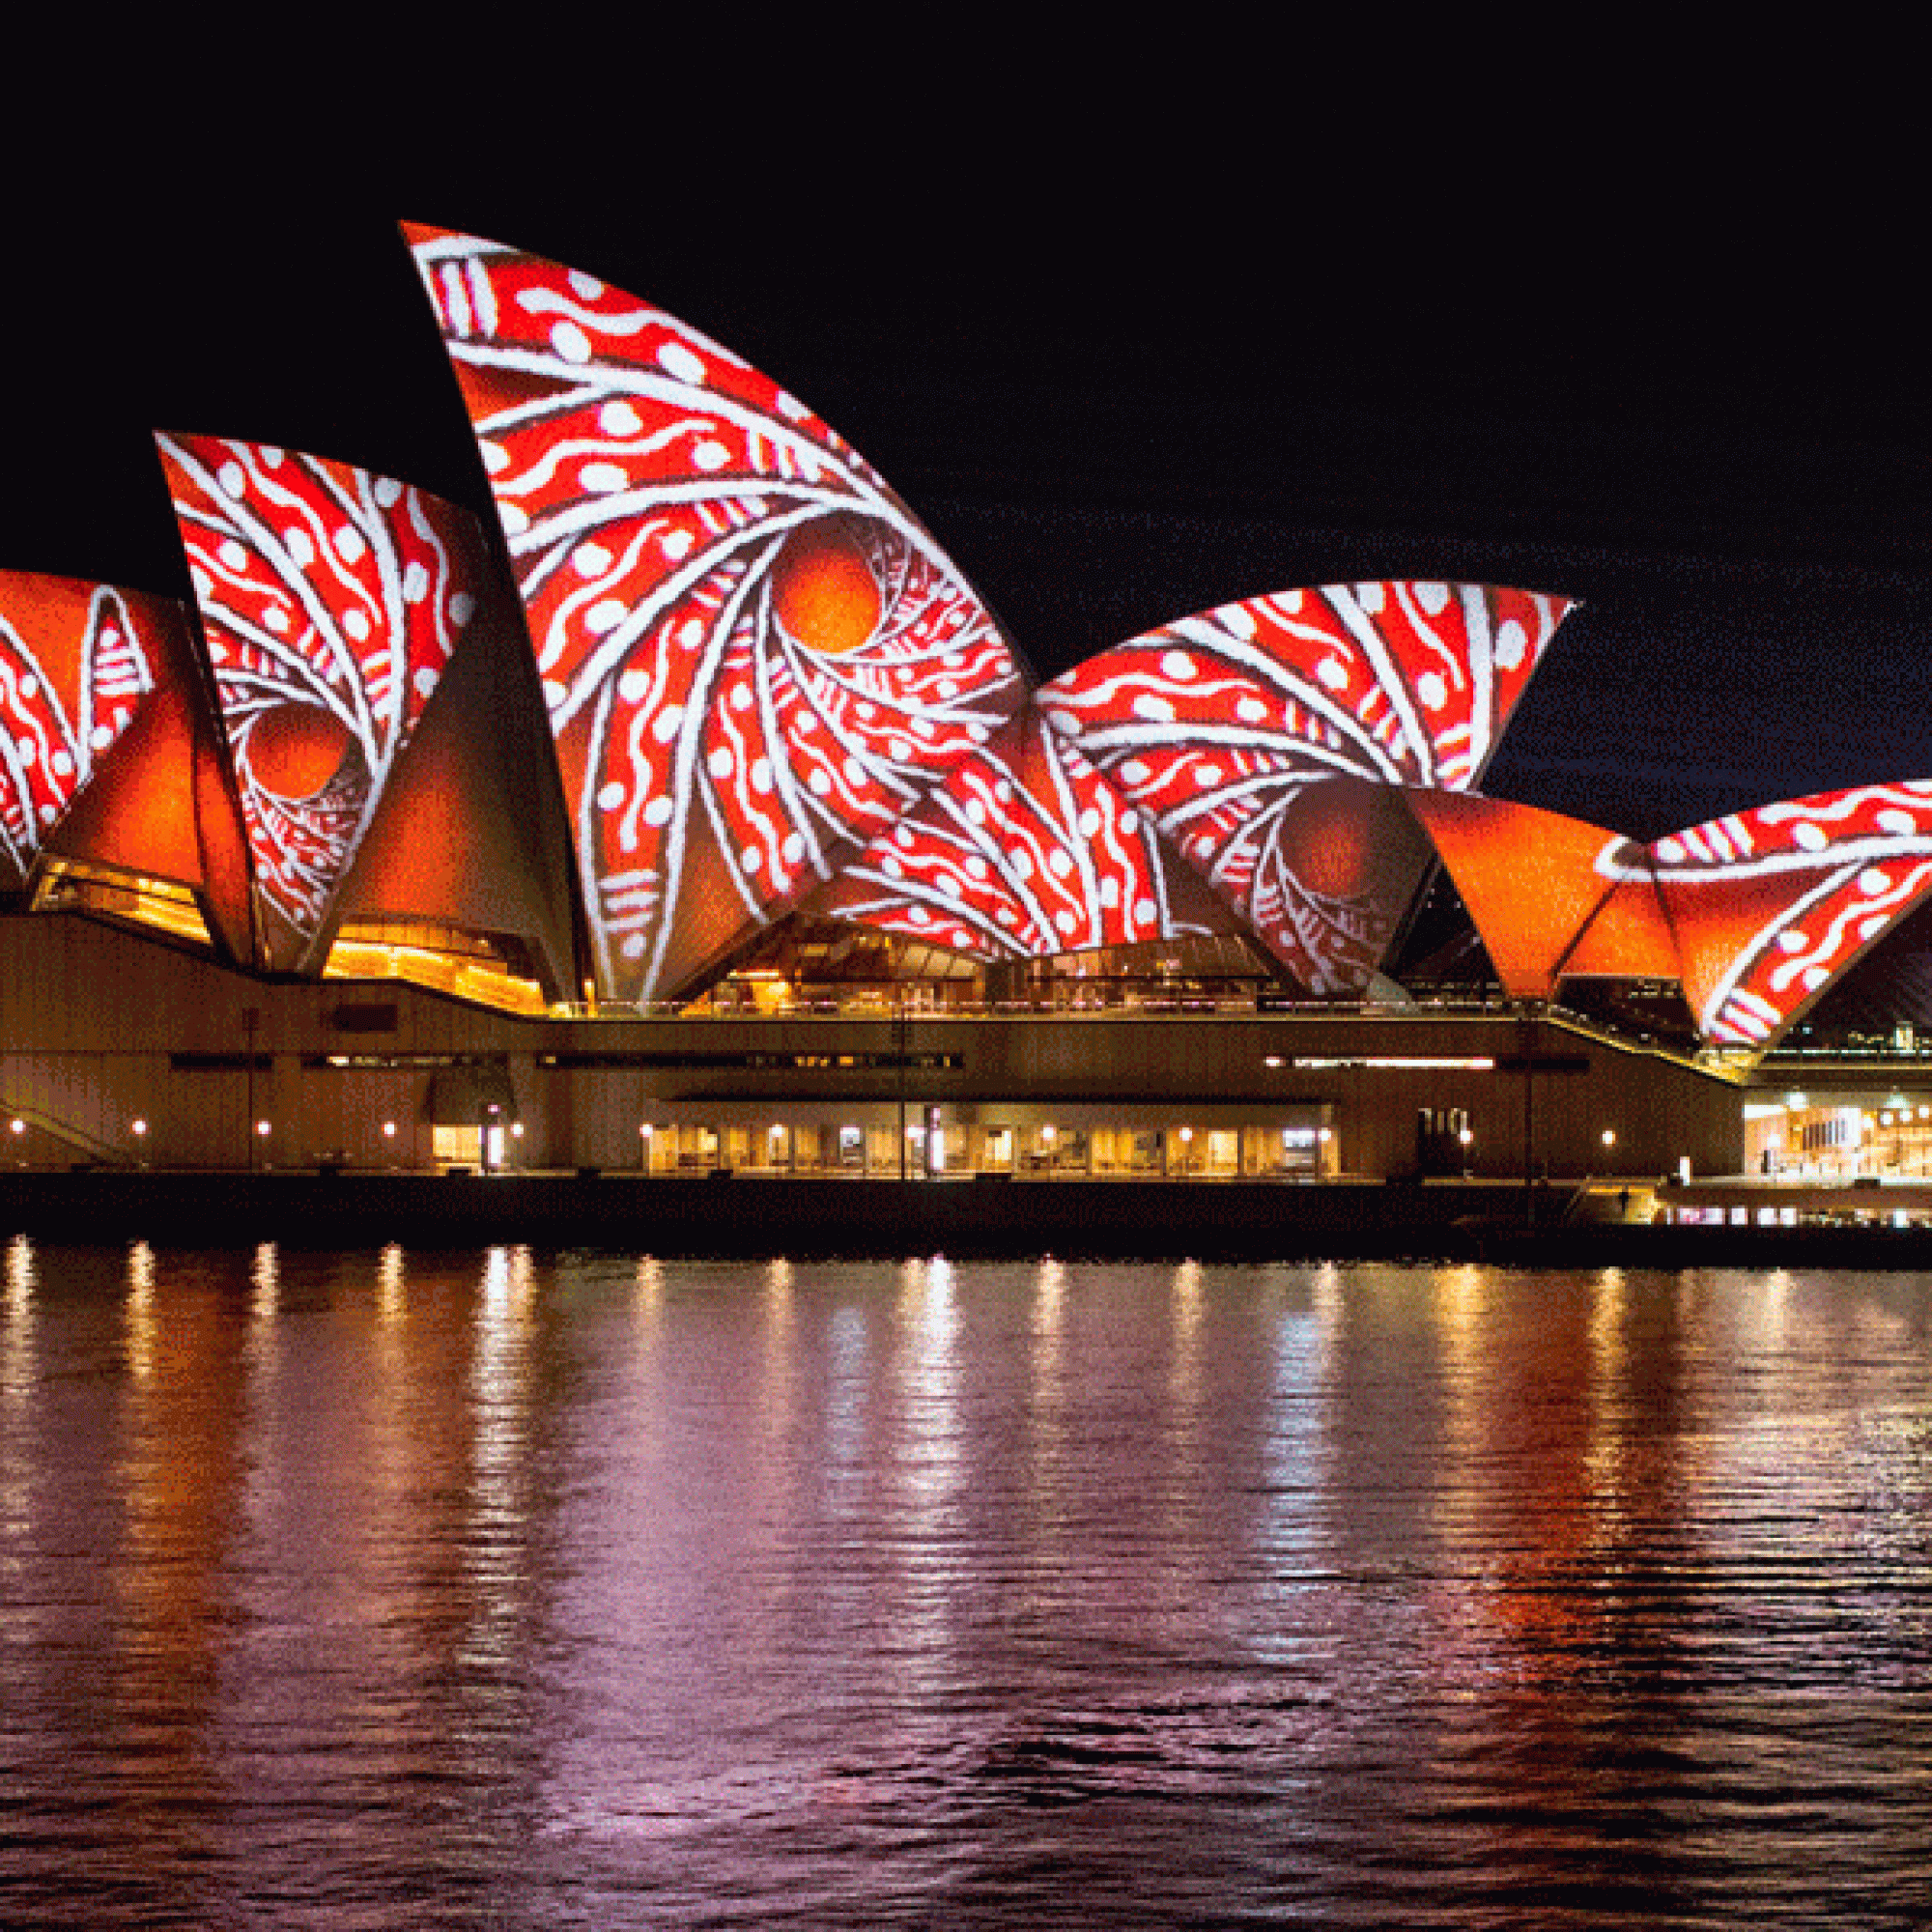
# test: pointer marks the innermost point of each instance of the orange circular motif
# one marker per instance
(823, 590)
(294, 750)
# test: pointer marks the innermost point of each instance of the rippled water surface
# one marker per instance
(497, 1590)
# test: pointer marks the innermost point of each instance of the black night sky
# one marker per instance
(1128, 357)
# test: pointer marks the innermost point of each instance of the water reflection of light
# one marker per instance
(142, 1327)
(1606, 1455)
(391, 1302)
(17, 1362)
(499, 1383)
(1184, 1374)
(1298, 1451)
(647, 1290)
(928, 1460)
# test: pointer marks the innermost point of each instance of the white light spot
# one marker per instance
(675, 360)
(586, 285)
(496, 458)
(664, 726)
(1333, 674)
(1145, 912)
(761, 775)
(590, 560)
(1813, 837)
(1872, 881)
(232, 556)
(1066, 923)
(355, 621)
(790, 406)
(1433, 597)
(709, 456)
(514, 518)
(750, 859)
(603, 616)
(1814, 978)
(1130, 823)
(675, 545)
(976, 812)
(1110, 893)
(1900, 824)
(720, 763)
(101, 737)
(1371, 597)
(275, 618)
(977, 868)
(234, 480)
(1432, 690)
(570, 342)
(947, 689)
(1237, 620)
(900, 748)
(1792, 940)
(1251, 711)
(555, 692)
(603, 479)
(620, 419)
(793, 848)
(892, 867)
(632, 945)
(1057, 863)
(658, 811)
(1207, 776)
(691, 633)
(1153, 709)
(1670, 851)
(820, 782)
(1178, 666)
(348, 544)
(610, 795)
(855, 774)
(461, 607)
(1090, 823)
(634, 686)
(63, 764)
(1134, 773)
(425, 681)
(415, 584)
(1512, 645)
(389, 492)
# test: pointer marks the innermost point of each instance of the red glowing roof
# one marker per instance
(1023, 851)
(1532, 881)
(74, 663)
(1260, 737)
(755, 659)
(1768, 906)
(330, 600)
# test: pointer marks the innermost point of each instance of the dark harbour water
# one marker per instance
(498, 1589)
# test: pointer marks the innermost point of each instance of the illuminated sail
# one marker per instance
(1768, 906)
(74, 663)
(755, 659)
(1263, 736)
(330, 600)
(1024, 851)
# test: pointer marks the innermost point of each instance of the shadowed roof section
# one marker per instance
(755, 659)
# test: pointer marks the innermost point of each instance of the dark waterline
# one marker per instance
(386, 1589)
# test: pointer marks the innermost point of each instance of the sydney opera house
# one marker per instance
(700, 815)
